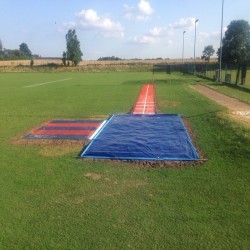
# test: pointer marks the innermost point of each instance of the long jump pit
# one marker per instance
(142, 137)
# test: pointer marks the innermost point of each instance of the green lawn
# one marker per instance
(47, 202)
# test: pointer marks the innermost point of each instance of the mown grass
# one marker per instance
(47, 202)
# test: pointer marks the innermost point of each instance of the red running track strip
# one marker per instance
(146, 101)
(51, 124)
(63, 132)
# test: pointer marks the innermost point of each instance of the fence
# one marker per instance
(229, 73)
(209, 71)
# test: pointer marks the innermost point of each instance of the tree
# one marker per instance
(109, 58)
(207, 52)
(74, 52)
(1, 46)
(236, 45)
(31, 63)
(25, 49)
(64, 58)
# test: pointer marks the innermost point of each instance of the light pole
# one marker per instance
(195, 41)
(221, 29)
(183, 47)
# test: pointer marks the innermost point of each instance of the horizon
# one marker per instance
(129, 29)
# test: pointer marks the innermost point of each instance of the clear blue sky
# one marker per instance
(123, 28)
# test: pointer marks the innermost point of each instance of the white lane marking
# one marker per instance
(43, 83)
(145, 101)
(97, 130)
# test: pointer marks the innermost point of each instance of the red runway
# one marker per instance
(146, 101)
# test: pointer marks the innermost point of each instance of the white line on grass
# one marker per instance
(43, 83)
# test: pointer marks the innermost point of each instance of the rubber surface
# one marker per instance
(145, 103)
(65, 129)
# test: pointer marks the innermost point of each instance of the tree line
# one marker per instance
(22, 53)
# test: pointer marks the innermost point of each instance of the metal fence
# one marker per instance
(209, 71)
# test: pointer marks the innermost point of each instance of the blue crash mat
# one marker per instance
(142, 137)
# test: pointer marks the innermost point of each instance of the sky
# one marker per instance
(122, 28)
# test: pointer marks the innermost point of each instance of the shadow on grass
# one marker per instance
(238, 87)
(211, 113)
(140, 82)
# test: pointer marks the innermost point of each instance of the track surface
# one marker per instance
(65, 129)
(146, 101)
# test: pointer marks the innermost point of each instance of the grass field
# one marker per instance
(48, 202)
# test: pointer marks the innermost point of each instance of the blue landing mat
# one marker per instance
(142, 137)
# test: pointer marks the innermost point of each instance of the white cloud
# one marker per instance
(146, 39)
(156, 31)
(171, 29)
(145, 7)
(169, 42)
(69, 25)
(184, 23)
(210, 37)
(154, 36)
(89, 19)
(159, 31)
(139, 13)
(204, 35)
(128, 11)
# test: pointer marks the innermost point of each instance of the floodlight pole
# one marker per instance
(183, 47)
(195, 41)
(221, 30)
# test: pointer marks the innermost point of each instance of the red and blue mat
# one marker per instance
(65, 129)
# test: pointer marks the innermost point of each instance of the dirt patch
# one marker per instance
(243, 116)
(93, 176)
(193, 137)
(53, 151)
(51, 148)
(46, 142)
(50, 171)
(153, 164)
